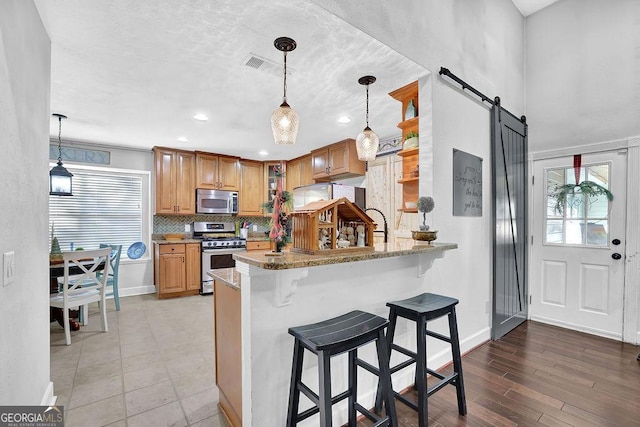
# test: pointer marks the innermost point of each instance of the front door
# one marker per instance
(578, 249)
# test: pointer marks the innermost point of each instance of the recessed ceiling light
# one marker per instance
(263, 153)
(201, 117)
(344, 119)
(183, 139)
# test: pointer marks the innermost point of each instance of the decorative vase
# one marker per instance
(410, 112)
(411, 143)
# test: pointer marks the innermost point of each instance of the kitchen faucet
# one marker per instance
(383, 218)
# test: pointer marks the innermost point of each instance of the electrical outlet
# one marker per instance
(9, 270)
(187, 228)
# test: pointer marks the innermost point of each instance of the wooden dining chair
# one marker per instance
(112, 282)
(85, 281)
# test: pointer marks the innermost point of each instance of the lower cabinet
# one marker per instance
(258, 245)
(177, 269)
(228, 342)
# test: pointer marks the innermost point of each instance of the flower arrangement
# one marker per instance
(425, 205)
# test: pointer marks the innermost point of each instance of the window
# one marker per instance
(583, 221)
(107, 206)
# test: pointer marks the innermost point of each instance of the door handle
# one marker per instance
(615, 242)
(616, 255)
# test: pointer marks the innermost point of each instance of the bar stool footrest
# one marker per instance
(449, 379)
(402, 365)
(438, 336)
(314, 410)
(406, 401)
(404, 351)
(368, 366)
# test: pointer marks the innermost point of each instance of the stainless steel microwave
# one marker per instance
(216, 201)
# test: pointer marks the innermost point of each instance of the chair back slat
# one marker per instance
(94, 269)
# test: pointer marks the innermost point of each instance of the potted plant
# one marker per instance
(572, 195)
(411, 140)
(425, 205)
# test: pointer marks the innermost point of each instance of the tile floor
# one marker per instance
(155, 366)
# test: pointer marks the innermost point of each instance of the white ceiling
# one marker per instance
(135, 73)
(528, 7)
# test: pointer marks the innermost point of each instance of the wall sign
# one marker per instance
(467, 184)
(80, 155)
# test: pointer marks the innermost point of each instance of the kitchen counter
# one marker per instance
(228, 276)
(279, 292)
(173, 242)
(264, 259)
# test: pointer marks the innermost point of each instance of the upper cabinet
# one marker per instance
(174, 177)
(408, 96)
(299, 172)
(338, 160)
(216, 172)
(251, 195)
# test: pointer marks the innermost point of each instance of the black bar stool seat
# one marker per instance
(332, 337)
(421, 309)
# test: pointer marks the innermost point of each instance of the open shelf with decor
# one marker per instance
(408, 96)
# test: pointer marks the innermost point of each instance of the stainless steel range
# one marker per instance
(219, 243)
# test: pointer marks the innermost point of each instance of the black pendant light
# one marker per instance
(59, 177)
(367, 141)
(284, 120)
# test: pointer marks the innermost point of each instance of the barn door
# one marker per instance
(509, 169)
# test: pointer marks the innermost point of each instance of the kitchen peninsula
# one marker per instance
(269, 294)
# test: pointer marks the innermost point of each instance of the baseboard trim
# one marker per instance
(48, 399)
(579, 328)
(137, 290)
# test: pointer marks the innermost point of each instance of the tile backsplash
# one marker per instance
(175, 223)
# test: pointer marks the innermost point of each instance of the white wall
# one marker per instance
(135, 277)
(582, 85)
(25, 58)
(482, 43)
(583, 88)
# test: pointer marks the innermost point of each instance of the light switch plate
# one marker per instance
(187, 228)
(9, 270)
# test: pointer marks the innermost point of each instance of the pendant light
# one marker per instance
(284, 120)
(367, 141)
(59, 177)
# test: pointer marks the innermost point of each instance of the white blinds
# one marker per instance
(105, 208)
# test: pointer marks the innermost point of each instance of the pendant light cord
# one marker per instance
(284, 97)
(59, 140)
(367, 86)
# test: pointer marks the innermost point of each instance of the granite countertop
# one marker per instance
(229, 276)
(171, 242)
(264, 260)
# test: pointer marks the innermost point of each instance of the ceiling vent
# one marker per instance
(262, 64)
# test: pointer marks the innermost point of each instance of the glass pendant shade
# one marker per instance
(367, 143)
(60, 181)
(284, 124)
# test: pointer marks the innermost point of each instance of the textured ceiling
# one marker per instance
(134, 74)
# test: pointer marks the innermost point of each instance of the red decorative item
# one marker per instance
(577, 164)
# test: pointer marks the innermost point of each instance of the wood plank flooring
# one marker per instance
(541, 375)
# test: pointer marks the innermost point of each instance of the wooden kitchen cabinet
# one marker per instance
(175, 179)
(228, 344)
(338, 160)
(251, 194)
(299, 172)
(216, 172)
(259, 245)
(271, 181)
(177, 269)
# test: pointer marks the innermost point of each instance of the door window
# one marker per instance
(578, 220)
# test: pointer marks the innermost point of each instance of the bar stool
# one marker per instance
(421, 309)
(332, 337)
